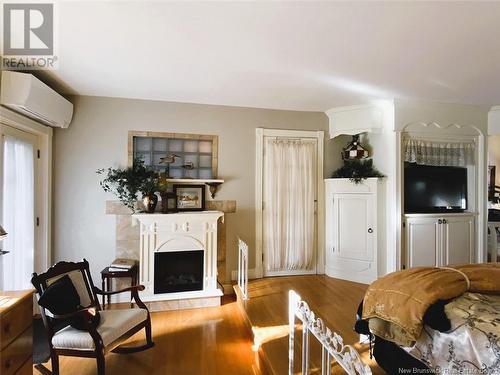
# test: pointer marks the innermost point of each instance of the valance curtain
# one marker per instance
(289, 193)
(457, 154)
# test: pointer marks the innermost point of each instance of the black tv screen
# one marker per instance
(429, 189)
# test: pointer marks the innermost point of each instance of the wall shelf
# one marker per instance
(193, 180)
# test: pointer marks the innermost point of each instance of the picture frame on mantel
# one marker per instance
(189, 197)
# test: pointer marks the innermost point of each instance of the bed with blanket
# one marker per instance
(428, 319)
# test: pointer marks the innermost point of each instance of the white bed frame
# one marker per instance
(332, 344)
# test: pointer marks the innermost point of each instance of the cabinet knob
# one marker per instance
(444, 221)
(440, 221)
(370, 230)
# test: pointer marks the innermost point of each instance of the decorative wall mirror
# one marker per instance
(176, 155)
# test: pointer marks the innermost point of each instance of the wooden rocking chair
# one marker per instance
(95, 342)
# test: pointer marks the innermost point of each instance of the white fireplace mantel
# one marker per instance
(182, 231)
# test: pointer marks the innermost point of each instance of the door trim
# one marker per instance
(260, 133)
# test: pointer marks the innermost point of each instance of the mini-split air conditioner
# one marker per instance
(26, 94)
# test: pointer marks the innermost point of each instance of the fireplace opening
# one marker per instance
(178, 271)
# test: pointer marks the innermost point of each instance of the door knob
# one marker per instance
(370, 230)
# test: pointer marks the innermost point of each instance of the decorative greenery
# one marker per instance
(357, 170)
(150, 185)
(126, 183)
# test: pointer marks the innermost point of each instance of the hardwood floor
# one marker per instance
(333, 300)
(210, 340)
(219, 340)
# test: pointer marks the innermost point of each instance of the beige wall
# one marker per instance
(97, 138)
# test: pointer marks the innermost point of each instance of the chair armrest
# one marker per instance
(135, 289)
(129, 289)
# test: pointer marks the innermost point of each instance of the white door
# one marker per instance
(289, 197)
(423, 241)
(354, 230)
(458, 241)
(18, 181)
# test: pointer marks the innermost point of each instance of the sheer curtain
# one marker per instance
(18, 214)
(289, 194)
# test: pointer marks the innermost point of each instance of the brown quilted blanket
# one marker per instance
(395, 304)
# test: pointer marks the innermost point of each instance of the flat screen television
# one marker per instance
(429, 189)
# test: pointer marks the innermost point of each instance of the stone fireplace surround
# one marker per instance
(128, 245)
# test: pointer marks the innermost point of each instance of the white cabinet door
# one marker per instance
(354, 232)
(423, 239)
(458, 240)
(351, 229)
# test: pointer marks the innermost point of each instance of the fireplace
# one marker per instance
(178, 259)
(178, 271)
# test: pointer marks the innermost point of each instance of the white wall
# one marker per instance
(382, 148)
(97, 138)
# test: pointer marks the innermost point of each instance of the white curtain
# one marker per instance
(18, 214)
(458, 154)
(289, 194)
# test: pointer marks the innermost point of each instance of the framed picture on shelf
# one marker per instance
(190, 197)
(168, 203)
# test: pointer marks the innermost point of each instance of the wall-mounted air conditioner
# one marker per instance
(26, 94)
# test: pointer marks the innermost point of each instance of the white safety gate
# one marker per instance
(333, 347)
(243, 268)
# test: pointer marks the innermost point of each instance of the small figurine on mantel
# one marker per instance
(357, 163)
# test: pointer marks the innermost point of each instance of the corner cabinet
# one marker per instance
(439, 240)
(351, 229)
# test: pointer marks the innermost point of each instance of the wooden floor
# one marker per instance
(210, 340)
(237, 338)
(333, 300)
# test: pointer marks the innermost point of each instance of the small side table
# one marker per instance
(107, 276)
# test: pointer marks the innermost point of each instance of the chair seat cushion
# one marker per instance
(113, 325)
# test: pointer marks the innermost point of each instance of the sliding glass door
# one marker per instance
(18, 176)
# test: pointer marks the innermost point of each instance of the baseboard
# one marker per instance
(252, 274)
(357, 277)
(228, 289)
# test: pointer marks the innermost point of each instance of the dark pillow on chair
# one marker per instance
(61, 298)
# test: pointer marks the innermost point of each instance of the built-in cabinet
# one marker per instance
(439, 240)
(351, 229)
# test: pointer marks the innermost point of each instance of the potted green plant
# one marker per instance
(127, 183)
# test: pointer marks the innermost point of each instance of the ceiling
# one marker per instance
(287, 55)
